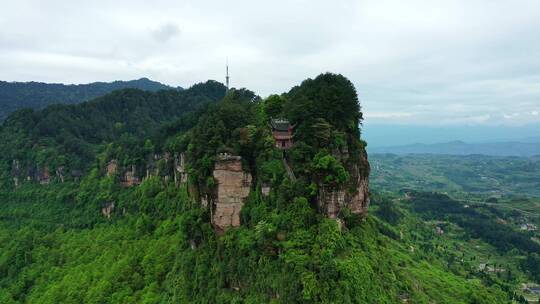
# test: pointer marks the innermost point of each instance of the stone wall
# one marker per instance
(233, 186)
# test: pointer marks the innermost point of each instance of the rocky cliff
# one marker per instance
(32, 172)
(233, 186)
(180, 170)
(354, 195)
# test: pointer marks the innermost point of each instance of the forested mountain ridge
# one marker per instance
(203, 206)
(69, 136)
(38, 95)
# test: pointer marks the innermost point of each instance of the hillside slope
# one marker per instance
(38, 95)
(69, 136)
(282, 256)
(192, 203)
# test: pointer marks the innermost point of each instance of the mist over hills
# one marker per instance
(496, 140)
(510, 148)
(389, 135)
(38, 95)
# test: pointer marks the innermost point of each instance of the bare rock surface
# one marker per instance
(354, 195)
(233, 186)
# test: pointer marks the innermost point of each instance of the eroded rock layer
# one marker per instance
(354, 195)
(233, 186)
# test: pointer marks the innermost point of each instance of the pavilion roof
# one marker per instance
(280, 124)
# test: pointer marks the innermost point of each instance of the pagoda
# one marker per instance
(282, 131)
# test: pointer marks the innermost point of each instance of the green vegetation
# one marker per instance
(483, 176)
(89, 239)
(485, 205)
(70, 136)
(164, 250)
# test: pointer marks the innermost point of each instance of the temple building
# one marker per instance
(282, 131)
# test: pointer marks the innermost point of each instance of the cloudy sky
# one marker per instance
(413, 62)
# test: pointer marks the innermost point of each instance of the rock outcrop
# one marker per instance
(107, 209)
(180, 171)
(112, 167)
(359, 201)
(60, 173)
(265, 190)
(233, 186)
(43, 176)
(130, 177)
(354, 195)
(16, 172)
(331, 200)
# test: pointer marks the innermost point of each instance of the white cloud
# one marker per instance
(419, 61)
(389, 115)
(166, 32)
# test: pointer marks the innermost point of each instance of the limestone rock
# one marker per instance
(130, 178)
(354, 195)
(16, 172)
(60, 173)
(265, 190)
(43, 176)
(180, 172)
(233, 186)
(359, 202)
(107, 209)
(331, 201)
(112, 167)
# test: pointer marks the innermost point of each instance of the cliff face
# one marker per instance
(359, 201)
(354, 195)
(42, 175)
(233, 186)
(164, 165)
(130, 177)
(331, 200)
(180, 170)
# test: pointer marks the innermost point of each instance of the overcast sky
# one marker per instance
(431, 62)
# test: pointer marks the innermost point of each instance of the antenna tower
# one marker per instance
(227, 75)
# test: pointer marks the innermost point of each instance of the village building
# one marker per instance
(282, 131)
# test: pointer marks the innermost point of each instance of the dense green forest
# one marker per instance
(38, 95)
(70, 136)
(86, 238)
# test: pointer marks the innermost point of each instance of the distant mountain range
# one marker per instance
(529, 147)
(392, 134)
(38, 95)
